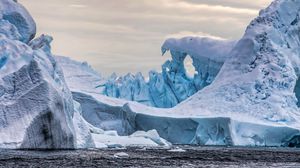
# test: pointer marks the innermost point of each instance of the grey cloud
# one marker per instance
(125, 35)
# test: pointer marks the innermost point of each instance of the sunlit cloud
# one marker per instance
(182, 34)
(77, 6)
(206, 7)
(249, 4)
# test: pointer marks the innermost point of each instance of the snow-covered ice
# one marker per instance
(18, 16)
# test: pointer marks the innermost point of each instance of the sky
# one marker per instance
(126, 35)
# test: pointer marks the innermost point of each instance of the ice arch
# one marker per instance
(173, 85)
(208, 55)
(188, 65)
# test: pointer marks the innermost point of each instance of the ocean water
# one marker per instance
(179, 156)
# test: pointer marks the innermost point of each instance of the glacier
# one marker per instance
(243, 93)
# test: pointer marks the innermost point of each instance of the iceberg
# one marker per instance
(37, 109)
(252, 99)
(245, 93)
(36, 105)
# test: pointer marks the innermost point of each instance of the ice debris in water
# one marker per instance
(121, 155)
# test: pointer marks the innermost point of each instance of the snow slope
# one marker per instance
(260, 77)
(80, 76)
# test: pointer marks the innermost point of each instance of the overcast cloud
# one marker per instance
(125, 35)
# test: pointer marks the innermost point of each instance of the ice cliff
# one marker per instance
(36, 105)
